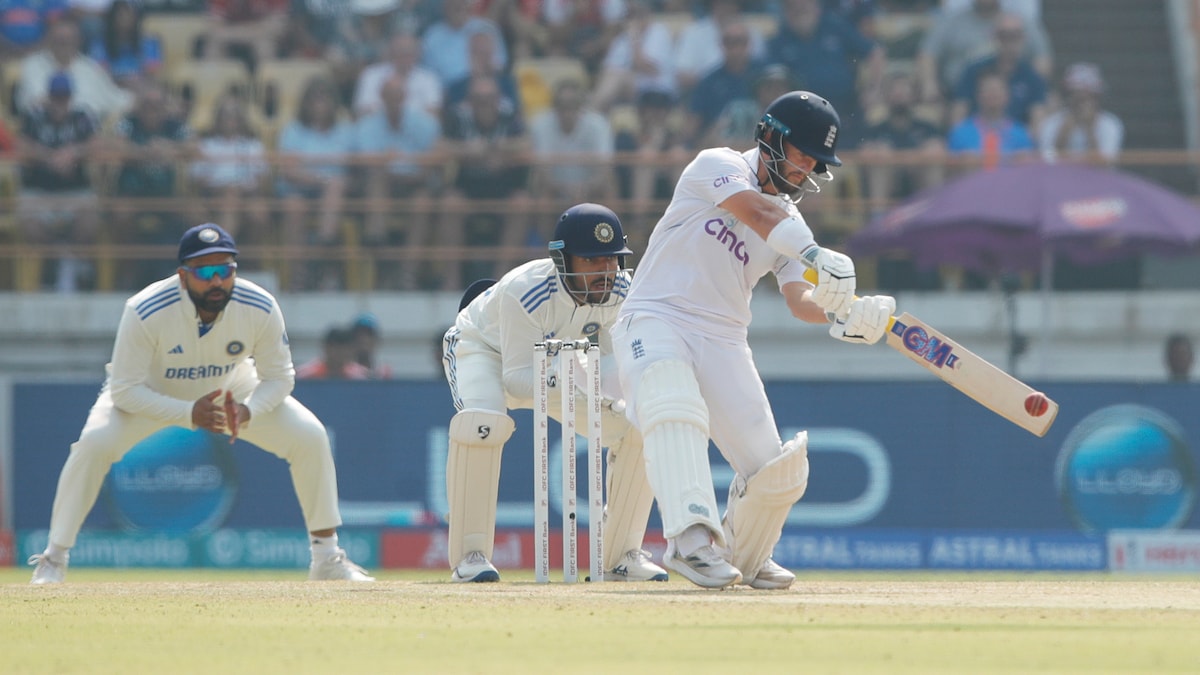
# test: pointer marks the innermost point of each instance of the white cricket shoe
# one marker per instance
(337, 567)
(772, 576)
(636, 565)
(704, 567)
(48, 570)
(475, 567)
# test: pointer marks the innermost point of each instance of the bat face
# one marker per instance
(969, 373)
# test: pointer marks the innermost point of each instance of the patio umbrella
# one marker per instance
(1021, 217)
(1017, 218)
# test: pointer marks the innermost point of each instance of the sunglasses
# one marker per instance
(207, 272)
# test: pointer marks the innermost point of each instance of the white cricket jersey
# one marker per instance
(529, 305)
(164, 360)
(701, 264)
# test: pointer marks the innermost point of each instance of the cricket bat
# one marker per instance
(966, 371)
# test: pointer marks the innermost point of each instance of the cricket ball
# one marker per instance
(1036, 404)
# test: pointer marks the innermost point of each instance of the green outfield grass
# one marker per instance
(201, 621)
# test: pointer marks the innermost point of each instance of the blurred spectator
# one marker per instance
(583, 28)
(230, 172)
(1026, 88)
(1081, 130)
(423, 86)
(152, 140)
(364, 39)
(991, 134)
(401, 141)
(700, 47)
(365, 329)
(1178, 356)
(1030, 10)
(57, 202)
(312, 173)
(250, 30)
(520, 25)
(487, 138)
(445, 49)
(23, 24)
(732, 80)
(652, 155)
(901, 131)
(123, 49)
(483, 63)
(738, 121)
(574, 146)
(958, 38)
(831, 58)
(640, 58)
(7, 142)
(858, 13)
(92, 87)
(91, 15)
(313, 26)
(336, 361)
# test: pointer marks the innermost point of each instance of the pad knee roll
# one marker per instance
(673, 419)
(758, 506)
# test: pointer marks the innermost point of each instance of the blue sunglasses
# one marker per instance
(207, 272)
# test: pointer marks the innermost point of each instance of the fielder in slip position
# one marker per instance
(207, 350)
(573, 294)
(680, 342)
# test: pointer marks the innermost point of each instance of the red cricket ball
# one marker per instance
(1036, 404)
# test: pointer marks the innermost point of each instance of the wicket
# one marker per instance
(565, 380)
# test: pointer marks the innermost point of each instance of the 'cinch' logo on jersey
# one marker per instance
(929, 347)
(716, 227)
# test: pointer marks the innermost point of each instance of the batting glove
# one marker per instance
(866, 322)
(836, 282)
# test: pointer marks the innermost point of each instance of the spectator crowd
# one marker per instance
(418, 126)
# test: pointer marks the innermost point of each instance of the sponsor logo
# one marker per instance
(716, 228)
(919, 341)
(725, 180)
(1126, 466)
(698, 509)
(1093, 213)
(483, 431)
(177, 350)
(197, 372)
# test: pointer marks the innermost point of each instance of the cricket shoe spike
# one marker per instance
(704, 567)
(636, 565)
(47, 570)
(772, 576)
(475, 568)
(337, 567)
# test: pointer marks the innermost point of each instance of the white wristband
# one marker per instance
(791, 237)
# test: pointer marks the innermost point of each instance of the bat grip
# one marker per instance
(811, 276)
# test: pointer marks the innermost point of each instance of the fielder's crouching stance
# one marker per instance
(488, 357)
(681, 346)
(201, 349)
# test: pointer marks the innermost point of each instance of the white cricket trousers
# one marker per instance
(291, 432)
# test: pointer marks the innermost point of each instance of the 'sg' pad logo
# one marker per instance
(234, 348)
(208, 235)
(604, 232)
(483, 431)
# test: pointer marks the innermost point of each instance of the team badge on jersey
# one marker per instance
(591, 328)
(234, 348)
(603, 232)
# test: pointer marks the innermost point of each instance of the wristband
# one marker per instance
(791, 237)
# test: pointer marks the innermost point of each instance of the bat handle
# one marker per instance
(811, 276)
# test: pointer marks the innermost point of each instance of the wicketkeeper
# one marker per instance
(573, 294)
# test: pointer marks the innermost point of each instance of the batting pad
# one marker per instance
(674, 424)
(477, 440)
(629, 499)
(758, 507)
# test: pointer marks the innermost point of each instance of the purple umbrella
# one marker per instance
(1015, 217)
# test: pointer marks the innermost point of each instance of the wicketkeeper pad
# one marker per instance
(477, 440)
